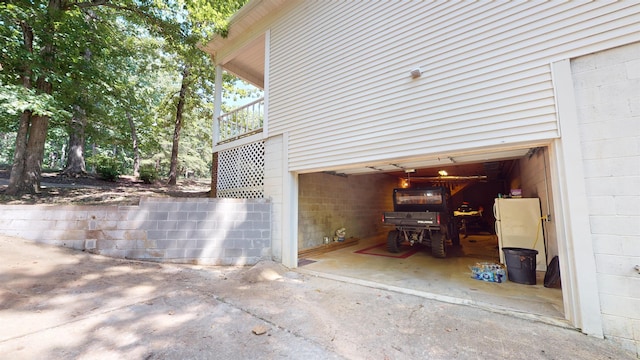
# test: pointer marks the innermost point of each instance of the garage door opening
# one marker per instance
(353, 201)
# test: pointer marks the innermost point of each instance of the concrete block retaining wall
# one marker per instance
(183, 230)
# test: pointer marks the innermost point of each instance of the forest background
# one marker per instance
(109, 86)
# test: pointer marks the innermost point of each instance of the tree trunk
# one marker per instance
(35, 154)
(63, 156)
(27, 179)
(75, 158)
(17, 168)
(173, 169)
(136, 151)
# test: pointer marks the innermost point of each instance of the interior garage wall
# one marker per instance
(328, 202)
(607, 93)
(535, 182)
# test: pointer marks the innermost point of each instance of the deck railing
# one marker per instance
(243, 121)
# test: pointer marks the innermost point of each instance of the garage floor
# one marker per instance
(448, 278)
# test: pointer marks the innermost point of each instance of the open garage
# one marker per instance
(355, 198)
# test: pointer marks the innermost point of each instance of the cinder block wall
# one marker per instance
(607, 87)
(329, 202)
(182, 230)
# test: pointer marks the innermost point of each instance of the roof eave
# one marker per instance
(245, 18)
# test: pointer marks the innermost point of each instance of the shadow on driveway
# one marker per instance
(58, 303)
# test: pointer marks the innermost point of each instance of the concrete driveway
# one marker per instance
(57, 303)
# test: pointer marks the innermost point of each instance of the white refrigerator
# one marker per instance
(519, 224)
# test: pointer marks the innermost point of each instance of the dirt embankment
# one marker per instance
(90, 190)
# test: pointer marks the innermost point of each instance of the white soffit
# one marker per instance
(248, 63)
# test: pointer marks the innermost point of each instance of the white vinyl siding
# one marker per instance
(340, 83)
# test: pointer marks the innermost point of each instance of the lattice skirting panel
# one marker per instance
(241, 172)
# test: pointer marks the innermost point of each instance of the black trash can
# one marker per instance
(521, 265)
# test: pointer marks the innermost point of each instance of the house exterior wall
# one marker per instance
(607, 92)
(200, 231)
(329, 202)
(339, 80)
(339, 88)
(274, 191)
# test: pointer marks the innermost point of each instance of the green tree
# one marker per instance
(86, 73)
(201, 19)
(46, 43)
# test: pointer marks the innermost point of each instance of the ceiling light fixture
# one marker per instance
(407, 183)
(442, 173)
